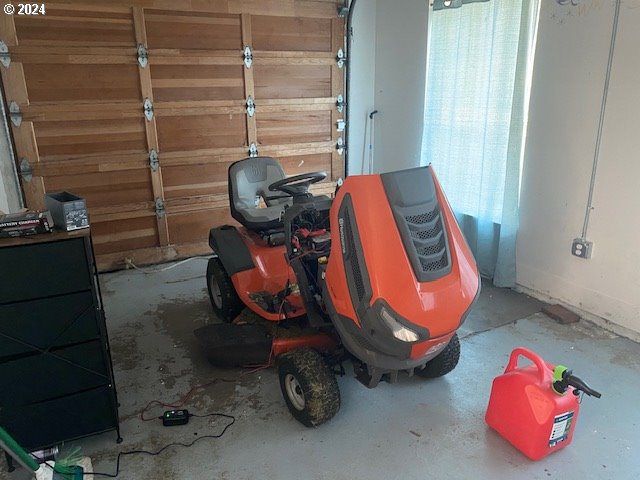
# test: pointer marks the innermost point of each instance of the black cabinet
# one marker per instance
(56, 376)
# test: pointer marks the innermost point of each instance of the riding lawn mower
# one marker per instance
(380, 275)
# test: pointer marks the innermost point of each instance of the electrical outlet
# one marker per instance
(582, 248)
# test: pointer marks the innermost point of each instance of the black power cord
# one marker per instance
(166, 447)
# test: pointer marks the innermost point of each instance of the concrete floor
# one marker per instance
(415, 429)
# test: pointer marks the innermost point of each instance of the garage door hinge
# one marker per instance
(15, 114)
(143, 55)
(251, 106)
(5, 56)
(160, 211)
(248, 56)
(253, 150)
(341, 58)
(26, 172)
(340, 103)
(341, 125)
(148, 109)
(341, 146)
(154, 161)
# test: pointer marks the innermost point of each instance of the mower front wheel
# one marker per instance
(309, 387)
(444, 362)
(224, 299)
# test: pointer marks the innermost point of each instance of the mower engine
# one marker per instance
(315, 240)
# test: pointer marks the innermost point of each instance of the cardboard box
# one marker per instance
(69, 211)
(25, 223)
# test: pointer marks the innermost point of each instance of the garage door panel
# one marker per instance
(292, 81)
(194, 227)
(88, 137)
(199, 132)
(173, 83)
(193, 31)
(61, 83)
(194, 180)
(73, 27)
(291, 34)
(294, 127)
(75, 76)
(211, 178)
(105, 189)
(124, 235)
(299, 164)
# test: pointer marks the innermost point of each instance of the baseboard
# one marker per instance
(588, 316)
(150, 256)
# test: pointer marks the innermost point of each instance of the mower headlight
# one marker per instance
(399, 331)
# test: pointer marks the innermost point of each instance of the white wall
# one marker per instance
(389, 66)
(401, 70)
(568, 81)
(362, 90)
(10, 198)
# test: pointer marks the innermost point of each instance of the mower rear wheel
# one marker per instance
(444, 362)
(224, 299)
(308, 386)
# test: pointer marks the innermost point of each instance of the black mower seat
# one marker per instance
(249, 181)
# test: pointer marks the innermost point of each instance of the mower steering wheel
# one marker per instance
(298, 185)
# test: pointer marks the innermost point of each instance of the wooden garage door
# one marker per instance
(79, 79)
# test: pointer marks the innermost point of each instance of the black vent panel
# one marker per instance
(433, 249)
(355, 266)
(353, 257)
(429, 240)
(421, 224)
(432, 231)
(423, 218)
(434, 266)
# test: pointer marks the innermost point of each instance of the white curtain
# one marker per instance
(480, 59)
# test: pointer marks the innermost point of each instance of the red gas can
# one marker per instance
(525, 410)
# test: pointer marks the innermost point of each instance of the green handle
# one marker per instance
(7, 441)
(558, 376)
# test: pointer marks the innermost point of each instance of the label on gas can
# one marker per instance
(561, 428)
